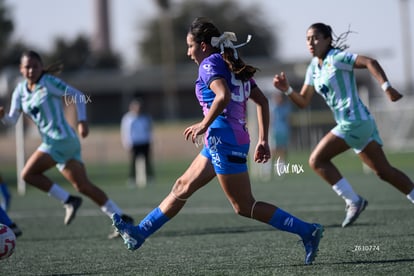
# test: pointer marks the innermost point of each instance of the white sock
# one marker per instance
(58, 193)
(110, 208)
(410, 196)
(344, 190)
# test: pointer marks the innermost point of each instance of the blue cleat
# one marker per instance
(312, 244)
(129, 233)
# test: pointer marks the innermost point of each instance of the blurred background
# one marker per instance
(115, 51)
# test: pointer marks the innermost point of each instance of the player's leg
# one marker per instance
(238, 190)
(321, 157)
(4, 190)
(199, 173)
(75, 172)
(6, 220)
(321, 162)
(373, 156)
(33, 174)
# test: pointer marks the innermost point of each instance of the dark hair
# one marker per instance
(338, 41)
(53, 68)
(203, 29)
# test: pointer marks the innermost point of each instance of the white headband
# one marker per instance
(225, 41)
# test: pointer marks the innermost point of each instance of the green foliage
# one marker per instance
(227, 15)
(77, 55)
(6, 30)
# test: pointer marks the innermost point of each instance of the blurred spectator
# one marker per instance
(281, 109)
(136, 135)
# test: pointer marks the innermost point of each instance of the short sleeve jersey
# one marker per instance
(44, 106)
(335, 82)
(234, 115)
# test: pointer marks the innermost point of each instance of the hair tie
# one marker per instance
(226, 41)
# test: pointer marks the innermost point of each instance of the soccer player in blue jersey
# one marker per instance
(40, 96)
(331, 74)
(223, 86)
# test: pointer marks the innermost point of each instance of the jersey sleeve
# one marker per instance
(212, 68)
(61, 89)
(15, 108)
(345, 61)
(309, 75)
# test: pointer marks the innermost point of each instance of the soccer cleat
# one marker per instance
(71, 205)
(353, 211)
(16, 230)
(115, 234)
(129, 233)
(312, 244)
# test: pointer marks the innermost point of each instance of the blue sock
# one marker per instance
(152, 222)
(286, 222)
(5, 191)
(6, 196)
(4, 218)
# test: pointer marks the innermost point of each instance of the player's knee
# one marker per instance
(313, 162)
(26, 176)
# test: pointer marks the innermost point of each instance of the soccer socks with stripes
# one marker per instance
(152, 222)
(286, 222)
(344, 190)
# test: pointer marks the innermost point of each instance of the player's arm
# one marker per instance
(301, 99)
(262, 152)
(14, 112)
(378, 73)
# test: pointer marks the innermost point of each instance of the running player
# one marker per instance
(39, 96)
(331, 74)
(224, 85)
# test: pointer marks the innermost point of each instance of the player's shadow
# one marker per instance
(215, 230)
(405, 260)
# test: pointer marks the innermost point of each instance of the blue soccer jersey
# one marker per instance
(234, 115)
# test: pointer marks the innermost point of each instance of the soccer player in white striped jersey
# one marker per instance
(331, 74)
(40, 96)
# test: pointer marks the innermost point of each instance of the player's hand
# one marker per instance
(393, 94)
(1, 112)
(262, 152)
(193, 131)
(83, 129)
(281, 82)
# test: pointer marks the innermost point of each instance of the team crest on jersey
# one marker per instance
(207, 67)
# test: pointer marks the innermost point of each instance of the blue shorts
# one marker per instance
(358, 134)
(226, 156)
(62, 150)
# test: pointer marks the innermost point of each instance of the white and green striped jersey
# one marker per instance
(335, 82)
(44, 105)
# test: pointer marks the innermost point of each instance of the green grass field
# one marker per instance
(207, 238)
